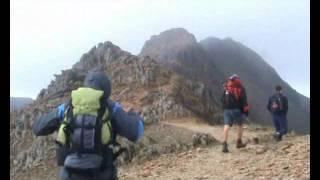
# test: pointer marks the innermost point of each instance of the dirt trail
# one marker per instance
(288, 159)
(216, 131)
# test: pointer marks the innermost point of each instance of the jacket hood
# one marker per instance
(99, 81)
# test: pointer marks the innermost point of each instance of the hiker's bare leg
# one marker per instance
(225, 132)
(240, 131)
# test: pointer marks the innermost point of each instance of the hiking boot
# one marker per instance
(225, 147)
(277, 136)
(240, 144)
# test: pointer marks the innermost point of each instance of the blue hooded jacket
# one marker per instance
(129, 125)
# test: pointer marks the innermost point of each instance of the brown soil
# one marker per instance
(288, 159)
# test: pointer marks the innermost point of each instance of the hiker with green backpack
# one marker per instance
(87, 129)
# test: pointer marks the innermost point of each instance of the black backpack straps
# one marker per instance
(99, 124)
(102, 109)
(115, 145)
(113, 140)
(109, 118)
(69, 120)
(118, 153)
(69, 111)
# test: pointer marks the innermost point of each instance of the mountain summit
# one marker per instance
(164, 46)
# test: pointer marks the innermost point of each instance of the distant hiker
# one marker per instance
(87, 128)
(234, 100)
(278, 106)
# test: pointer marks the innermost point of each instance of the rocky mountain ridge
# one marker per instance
(162, 91)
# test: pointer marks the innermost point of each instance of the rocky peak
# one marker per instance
(165, 46)
(99, 55)
(210, 41)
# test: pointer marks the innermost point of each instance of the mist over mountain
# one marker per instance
(17, 103)
(212, 60)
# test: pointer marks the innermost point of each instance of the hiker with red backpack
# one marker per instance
(278, 107)
(234, 100)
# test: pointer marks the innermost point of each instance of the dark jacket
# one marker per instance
(284, 101)
(229, 101)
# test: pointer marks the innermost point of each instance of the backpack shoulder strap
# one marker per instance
(68, 113)
(113, 140)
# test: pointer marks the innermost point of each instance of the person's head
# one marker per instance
(235, 79)
(229, 84)
(224, 85)
(98, 80)
(278, 89)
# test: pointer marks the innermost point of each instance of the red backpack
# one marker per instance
(234, 87)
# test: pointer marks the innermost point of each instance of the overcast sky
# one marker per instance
(47, 36)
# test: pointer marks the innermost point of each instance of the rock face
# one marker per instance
(203, 139)
(212, 60)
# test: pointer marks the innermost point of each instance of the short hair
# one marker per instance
(278, 88)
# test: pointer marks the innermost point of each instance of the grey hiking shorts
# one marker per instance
(231, 116)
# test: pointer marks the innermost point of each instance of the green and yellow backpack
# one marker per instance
(86, 127)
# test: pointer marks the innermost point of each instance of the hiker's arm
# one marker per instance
(222, 98)
(49, 122)
(269, 104)
(245, 106)
(285, 105)
(129, 125)
(244, 98)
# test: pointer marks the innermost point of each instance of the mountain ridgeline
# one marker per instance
(17, 103)
(198, 69)
(173, 78)
(212, 60)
